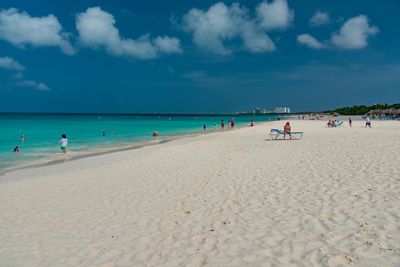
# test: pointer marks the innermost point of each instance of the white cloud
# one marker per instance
(168, 45)
(97, 29)
(220, 23)
(308, 40)
(274, 15)
(354, 33)
(20, 29)
(255, 40)
(10, 64)
(19, 81)
(33, 84)
(319, 18)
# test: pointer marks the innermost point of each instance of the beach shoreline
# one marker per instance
(91, 152)
(106, 149)
(127, 145)
(35, 136)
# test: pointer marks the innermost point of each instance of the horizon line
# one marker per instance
(152, 114)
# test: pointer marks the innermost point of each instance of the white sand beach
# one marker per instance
(231, 198)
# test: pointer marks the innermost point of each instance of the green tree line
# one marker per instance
(363, 109)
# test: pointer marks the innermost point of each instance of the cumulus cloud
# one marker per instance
(319, 18)
(211, 28)
(354, 33)
(308, 40)
(274, 15)
(168, 45)
(97, 29)
(10, 64)
(20, 29)
(255, 40)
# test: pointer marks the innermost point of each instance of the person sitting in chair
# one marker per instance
(287, 129)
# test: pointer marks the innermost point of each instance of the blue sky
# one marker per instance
(197, 56)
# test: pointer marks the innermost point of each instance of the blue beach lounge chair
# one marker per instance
(275, 133)
(339, 123)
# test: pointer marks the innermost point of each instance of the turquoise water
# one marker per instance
(84, 132)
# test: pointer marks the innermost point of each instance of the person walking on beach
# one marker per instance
(350, 121)
(232, 123)
(222, 124)
(64, 143)
(368, 122)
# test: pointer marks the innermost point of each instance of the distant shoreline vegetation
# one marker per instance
(362, 109)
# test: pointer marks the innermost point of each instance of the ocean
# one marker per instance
(89, 132)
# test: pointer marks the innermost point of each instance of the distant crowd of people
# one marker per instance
(335, 123)
(231, 124)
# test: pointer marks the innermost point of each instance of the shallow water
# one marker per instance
(43, 131)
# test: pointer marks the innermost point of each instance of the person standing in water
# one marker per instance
(64, 143)
(222, 124)
(204, 127)
(16, 149)
(22, 138)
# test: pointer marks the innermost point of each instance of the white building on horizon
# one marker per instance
(282, 110)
